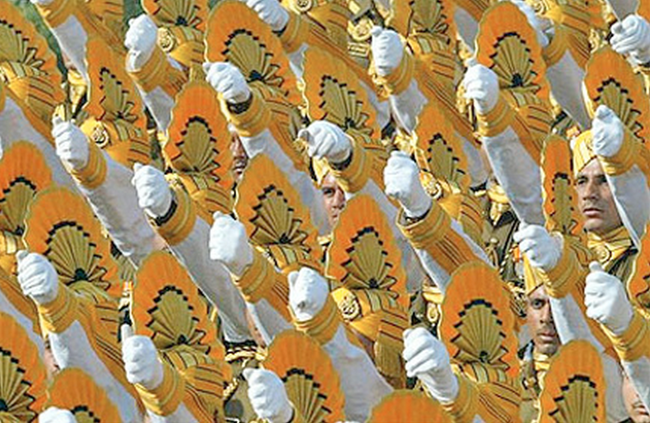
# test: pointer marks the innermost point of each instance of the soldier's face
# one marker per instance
(635, 408)
(239, 157)
(596, 200)
(334, 198)
(540, 322)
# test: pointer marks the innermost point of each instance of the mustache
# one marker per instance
(547, 329)
(590, 204)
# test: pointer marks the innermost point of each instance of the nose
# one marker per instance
(546, 316)
(339, 199)
(591, 190)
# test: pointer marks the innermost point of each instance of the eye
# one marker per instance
(537, 304)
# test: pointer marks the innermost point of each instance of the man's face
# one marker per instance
(635, 408)
(540, 322)
(49, 361)
(239, 157)
(596, 200)
(334, 198)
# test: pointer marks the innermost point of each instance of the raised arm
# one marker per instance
(159, 385)
(251, 120)
(175, 218)
(262, 286)
(626, 163)
(563, 71)
(107, 186)
(158, 77)
(438, 240)
(628, 328)
(311, 304)
(427, 359)
(556, 263)
(72, 333)
(503, 136)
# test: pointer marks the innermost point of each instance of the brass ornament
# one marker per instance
(166, 40)
(350, 307)
(100, 136)
(303, 6)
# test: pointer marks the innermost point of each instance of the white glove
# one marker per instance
(56, 415)
(327, 141)
(268, 396)
(271, 12)
(229, 244)
(606, 300)
(71, 144)
(632, 36)
(482, 86)
(140, 40)
(607, 132)
(542, 249)
(308, 291)
(428, 360)
(539, 24)
(154, 194)
(402, 182)
(141, 361)
(387, 50)
(37, 277)
(228, 81)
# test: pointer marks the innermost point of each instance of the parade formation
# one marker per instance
(324, 211)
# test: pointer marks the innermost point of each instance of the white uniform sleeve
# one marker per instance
(115, 203)
(382, 107)
(362, 384)
(477, 172)
(572, 324)
(407, 105)
(440, 244)
(634, 353)
(268, 320)
(72, 38)
(159, 80)
(566, 77)
(410, 263)
(265, 143)
(297, 60)
(160, 104)
(623, 8)
(632, 196)
(32, 331)
(518, 174)
(180, 415)
(75, 345)
(71, 348)
(467, 27)
(214, 280)
(14, 127)
(639, 373)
